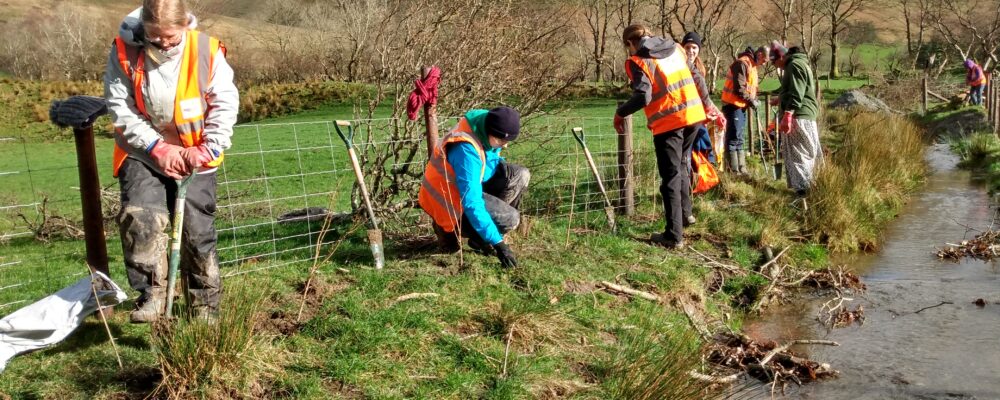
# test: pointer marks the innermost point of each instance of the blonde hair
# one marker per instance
(633, 33)
(165, 12)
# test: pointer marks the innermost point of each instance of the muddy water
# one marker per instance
(946, 352)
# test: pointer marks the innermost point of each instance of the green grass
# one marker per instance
(564, 335)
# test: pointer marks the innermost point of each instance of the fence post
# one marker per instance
(767, 112)
(626, 179)
(430, 118)
(923, 96)
(90, 196)
(995, 108)
(80, 112)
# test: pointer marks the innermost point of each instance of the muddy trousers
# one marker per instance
(144, 223)
(675, 180)
(502, 195)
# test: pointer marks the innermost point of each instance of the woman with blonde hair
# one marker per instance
(173, 103)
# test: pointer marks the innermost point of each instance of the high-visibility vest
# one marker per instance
(976, 82)
(190, 104)
(675, 100)
(439, 196)
(729, 95)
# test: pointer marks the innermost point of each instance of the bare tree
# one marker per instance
(704, 17)
(915, 20)
(784, 9)
(598, 14)
(972, 27)
(839, 13)
(809, 23)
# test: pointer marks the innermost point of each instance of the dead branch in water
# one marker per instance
(766, 361)
(984, 247)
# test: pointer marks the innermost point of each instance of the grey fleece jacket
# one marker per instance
(659, 48)
(159, 92)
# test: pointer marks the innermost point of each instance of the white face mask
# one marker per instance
(160, 56)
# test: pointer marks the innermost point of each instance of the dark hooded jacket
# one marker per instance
(642, 94)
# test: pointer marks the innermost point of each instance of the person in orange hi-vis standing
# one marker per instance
(173, 104)
(676, 101)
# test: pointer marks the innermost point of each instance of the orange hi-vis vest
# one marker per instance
(675, 100)
(439, 195)
(729, 95)
(190, 104)
(982, 77)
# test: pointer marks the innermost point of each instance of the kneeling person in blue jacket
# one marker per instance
(468, 189)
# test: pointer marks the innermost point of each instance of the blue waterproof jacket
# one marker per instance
(465, 162)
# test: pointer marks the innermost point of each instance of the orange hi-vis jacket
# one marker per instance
(729, 95)
(976, 82)
(190, 104)
(675, 100)
(439, 196)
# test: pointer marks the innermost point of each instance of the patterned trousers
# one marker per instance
(802, 153)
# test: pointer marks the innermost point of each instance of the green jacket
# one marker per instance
(798, 87)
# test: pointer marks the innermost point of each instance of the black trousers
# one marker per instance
(675, 179)
(502, 194)
(147, 208)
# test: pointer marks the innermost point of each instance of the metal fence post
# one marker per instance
(626, 178)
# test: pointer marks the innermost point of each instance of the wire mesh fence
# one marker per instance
(277, 184)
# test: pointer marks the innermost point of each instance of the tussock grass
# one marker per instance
(878, 160)
(981, 152)
(226, 359)
(647, 364)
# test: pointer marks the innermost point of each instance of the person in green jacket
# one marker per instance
(799, 110)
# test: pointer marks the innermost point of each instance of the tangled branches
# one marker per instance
(984, 247)
(766, 361)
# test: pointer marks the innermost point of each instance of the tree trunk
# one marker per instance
(834, 50)
(909, 35)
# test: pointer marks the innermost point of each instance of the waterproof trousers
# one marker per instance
(147, 210)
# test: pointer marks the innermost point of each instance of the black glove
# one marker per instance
(77, 111)
(505, 255)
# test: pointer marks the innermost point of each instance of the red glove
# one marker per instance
(715, 115)
(619, 123)
(196, 157)
(786, 122)
(168, 158)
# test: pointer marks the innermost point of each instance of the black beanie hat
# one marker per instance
(746, 52)
(692, 37)
(503, 123)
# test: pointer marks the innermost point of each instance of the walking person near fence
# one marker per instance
(173, 103)
(976, 79)
(799, 110)
(676, 101)
(739, 94)
(469, 190)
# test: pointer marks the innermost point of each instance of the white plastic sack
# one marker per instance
(50, 320)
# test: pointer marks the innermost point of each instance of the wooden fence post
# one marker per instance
(430, 118)
(626, 178)
(923, 96)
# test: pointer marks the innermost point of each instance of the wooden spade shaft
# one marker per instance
(608, 207)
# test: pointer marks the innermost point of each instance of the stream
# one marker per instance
(947, 352)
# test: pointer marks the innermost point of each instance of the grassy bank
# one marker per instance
(978, 147)
(544, 330)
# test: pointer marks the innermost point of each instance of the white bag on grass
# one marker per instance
(50, 320)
